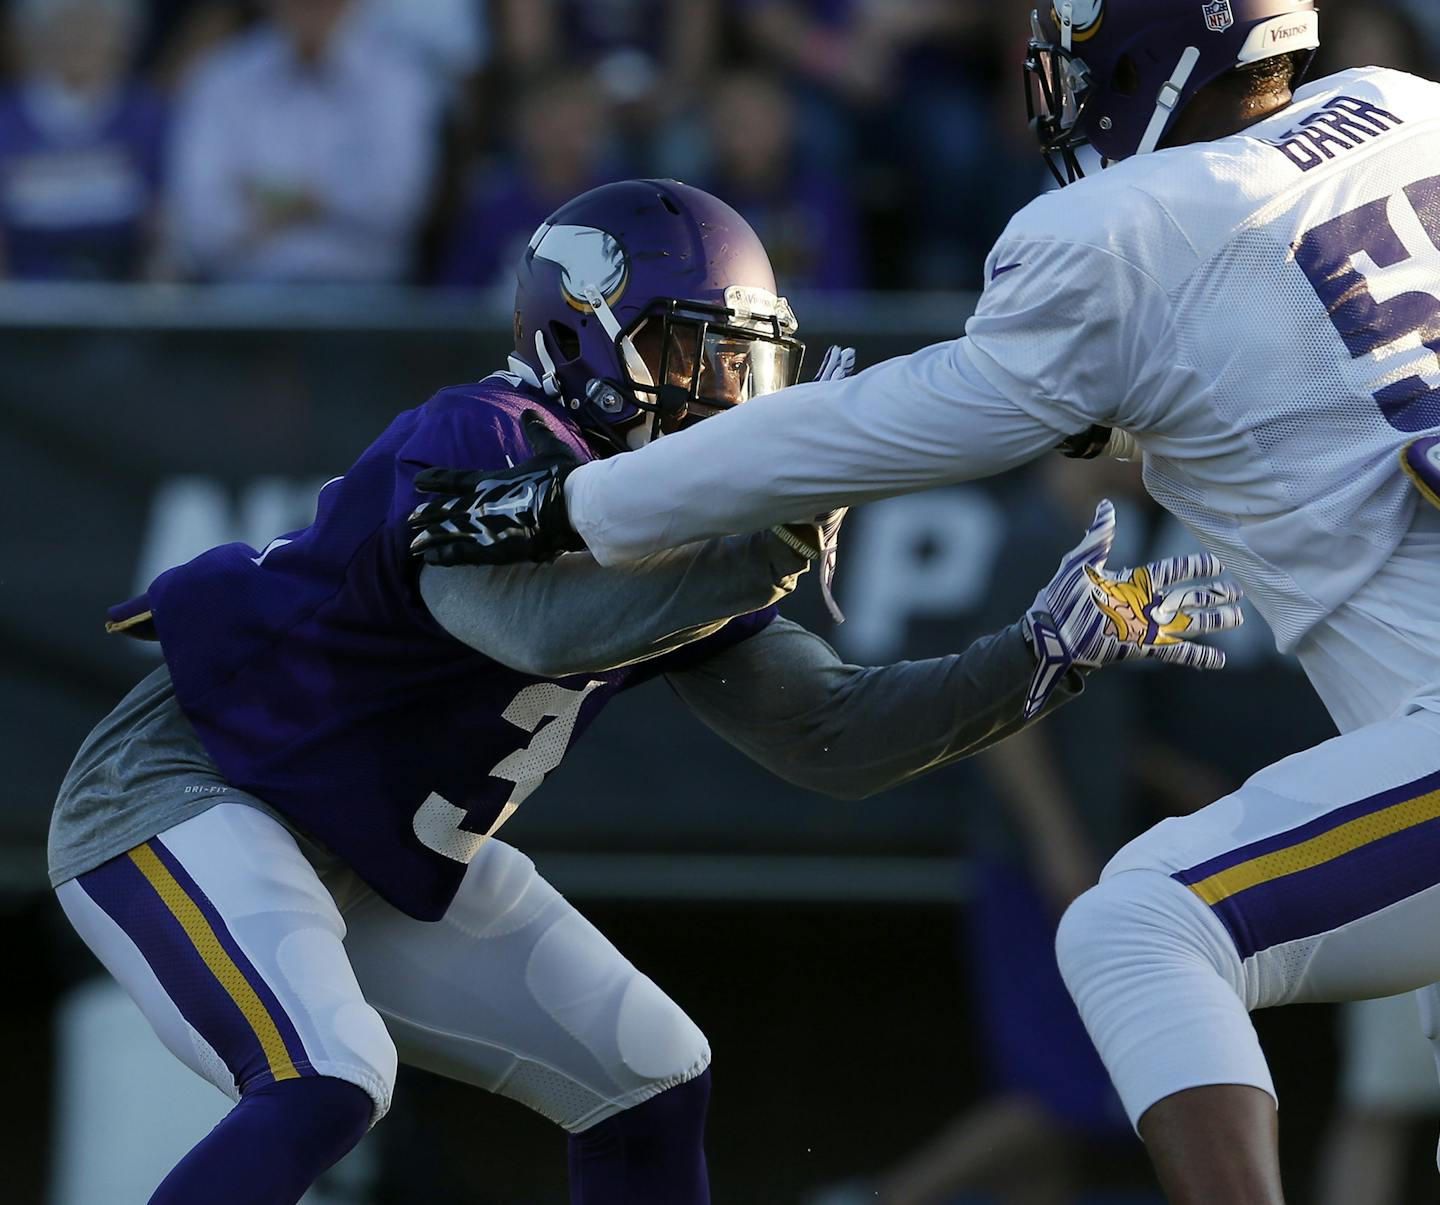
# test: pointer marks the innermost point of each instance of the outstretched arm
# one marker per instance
(908, 424)
(572, 616)
(1066, 338)
(786, 700)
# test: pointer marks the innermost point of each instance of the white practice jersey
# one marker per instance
(1262, 313)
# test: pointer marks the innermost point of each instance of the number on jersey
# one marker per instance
(440, 825)
(1352, 261)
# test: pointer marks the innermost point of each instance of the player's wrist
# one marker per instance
(554, 528)
(1054, 659)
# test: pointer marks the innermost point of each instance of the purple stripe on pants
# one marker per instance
(123, 892)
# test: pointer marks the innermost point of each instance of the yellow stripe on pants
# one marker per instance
(207, 944)
(1306, 855)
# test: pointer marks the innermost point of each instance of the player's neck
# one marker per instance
(1210, 118)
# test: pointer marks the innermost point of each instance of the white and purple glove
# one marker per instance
(839, 363)
(1089, 616)
(1420, 459)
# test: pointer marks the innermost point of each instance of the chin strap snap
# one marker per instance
(1169, 100)
(550, 382)
(611, 326)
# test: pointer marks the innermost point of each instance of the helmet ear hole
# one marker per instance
(567, 342)
(1127, 77)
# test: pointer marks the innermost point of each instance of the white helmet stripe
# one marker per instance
(1169, 97)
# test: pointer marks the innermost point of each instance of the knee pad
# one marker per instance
(656, 1038)
(1140, 916)
(367, 1058)
(358, 1050)
(1160, 988)
(344, 1036)
(642, 1039)
(641, 1035)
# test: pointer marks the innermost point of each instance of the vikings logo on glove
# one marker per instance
(1139, 616)
(1089, 616)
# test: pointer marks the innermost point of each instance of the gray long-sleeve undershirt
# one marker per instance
(787, 701)
(570, 616)
(783, 697)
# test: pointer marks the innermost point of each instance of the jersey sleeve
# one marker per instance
(788, 702)
(476, 427)
(1068, 332)
(917, 421)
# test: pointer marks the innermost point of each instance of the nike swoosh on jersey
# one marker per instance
(1001, 270)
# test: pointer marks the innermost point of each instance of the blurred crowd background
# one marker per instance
(877, 979)
(873, 143)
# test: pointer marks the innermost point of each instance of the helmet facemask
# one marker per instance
(700, 359)
(1058, 91)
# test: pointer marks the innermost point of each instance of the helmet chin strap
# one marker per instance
(640, 433)
(1169, 98)
(550, 382)
(611, 325)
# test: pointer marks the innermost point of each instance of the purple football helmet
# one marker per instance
(1117, 73)
(650, 300)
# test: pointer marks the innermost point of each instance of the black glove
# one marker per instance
(1088, 445)
(501, 516)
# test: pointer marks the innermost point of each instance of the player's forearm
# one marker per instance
(785, 699)
(911, 423)
(573, 616)
(897, 722)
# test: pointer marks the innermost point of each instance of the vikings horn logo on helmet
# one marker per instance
(1085, 17)
(587, 258)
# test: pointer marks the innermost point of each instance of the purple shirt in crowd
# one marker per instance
(808, 226)
(501, 213)
(78, 186)
(595, 28)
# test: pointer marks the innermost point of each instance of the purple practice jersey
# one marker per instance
(318, 681)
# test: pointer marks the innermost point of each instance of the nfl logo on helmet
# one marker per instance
(1219, 16)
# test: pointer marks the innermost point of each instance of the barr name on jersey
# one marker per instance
(1346, 123)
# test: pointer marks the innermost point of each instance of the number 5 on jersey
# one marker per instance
(439, 824)
(1381, 285)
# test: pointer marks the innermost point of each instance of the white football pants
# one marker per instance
(1318, 880)
(251, 969)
